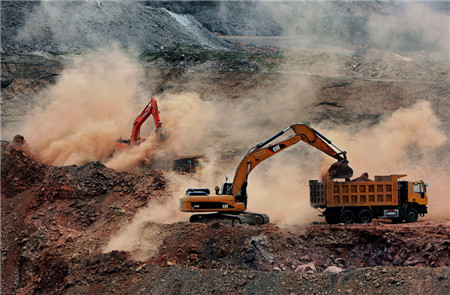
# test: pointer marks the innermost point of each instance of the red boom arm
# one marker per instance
(150, 109)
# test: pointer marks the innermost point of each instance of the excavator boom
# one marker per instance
(260, 153)
(150, 109)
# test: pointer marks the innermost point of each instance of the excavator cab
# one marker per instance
(226, 188)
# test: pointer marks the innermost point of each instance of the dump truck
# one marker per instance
(385, 197)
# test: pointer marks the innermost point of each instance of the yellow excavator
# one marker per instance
(230, 203)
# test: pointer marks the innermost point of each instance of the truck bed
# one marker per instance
(383, 191)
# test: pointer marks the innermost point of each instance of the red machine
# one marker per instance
(150, 109)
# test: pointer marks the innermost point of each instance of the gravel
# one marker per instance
(67, 26)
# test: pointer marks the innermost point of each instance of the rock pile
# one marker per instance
(75, 25)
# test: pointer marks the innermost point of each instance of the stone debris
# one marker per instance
(57, 220)
(333, 269)
(306, 268)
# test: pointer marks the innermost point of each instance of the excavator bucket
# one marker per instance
(162, 134)
(340, 169)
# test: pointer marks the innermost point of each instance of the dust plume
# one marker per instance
(280, 188)
(133, 157)
(196, 123)
(409, 141)
(141, 238)
(187, 118)
(400, 144)
(403, 26)
(144, 234)
(93, 103)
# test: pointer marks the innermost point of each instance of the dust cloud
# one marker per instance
(93, 103)
(141, 238)
(399, 144)
(144, 234)
(187, 118)
(403, 26)
(409, 141)
(132, 158)
(279, 187)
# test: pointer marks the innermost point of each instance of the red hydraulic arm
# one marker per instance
(150, 109)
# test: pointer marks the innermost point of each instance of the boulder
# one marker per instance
(333, 269)
(306, 268)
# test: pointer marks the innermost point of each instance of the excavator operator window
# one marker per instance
(226, 188)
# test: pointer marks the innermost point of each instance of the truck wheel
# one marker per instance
(411, 215)
(347, 216)
(365, 216)
(331, 219)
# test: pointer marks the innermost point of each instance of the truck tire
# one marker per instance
(365, 216)
(348, 216)
(331, 219)
(411, 215)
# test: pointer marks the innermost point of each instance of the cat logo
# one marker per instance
(277, 148)
(224, 206)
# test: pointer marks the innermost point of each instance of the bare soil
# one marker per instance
(56, 220)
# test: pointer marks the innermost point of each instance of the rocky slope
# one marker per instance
(56, 222)
(59, 222)
(384, 25)
(66, 26)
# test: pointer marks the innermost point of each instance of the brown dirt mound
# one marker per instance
(268, 247)
(57, 220)
(53, 214)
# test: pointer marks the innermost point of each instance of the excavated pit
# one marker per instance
(57, 220)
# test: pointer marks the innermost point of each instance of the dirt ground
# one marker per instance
(55, 220)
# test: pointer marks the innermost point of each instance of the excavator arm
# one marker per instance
(262, 151)
(150, 109)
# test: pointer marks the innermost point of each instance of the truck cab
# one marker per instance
(417, 192)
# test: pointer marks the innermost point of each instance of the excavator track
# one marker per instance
(232, 218)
